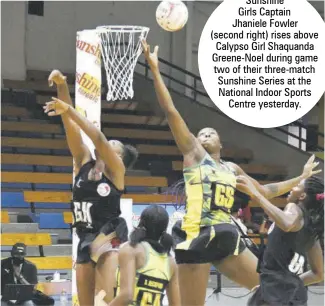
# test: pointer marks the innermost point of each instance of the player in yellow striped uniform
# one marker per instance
(145, 269)
(206, 235)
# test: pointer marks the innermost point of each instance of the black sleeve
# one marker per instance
(5, 275)
(34, 276)
(31, 275)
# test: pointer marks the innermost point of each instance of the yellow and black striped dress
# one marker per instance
(151, 280)
(208, 186)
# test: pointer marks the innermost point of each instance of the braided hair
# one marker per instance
(314, 204)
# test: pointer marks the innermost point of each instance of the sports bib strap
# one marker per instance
(255, 249)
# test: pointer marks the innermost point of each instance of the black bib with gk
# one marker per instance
(94, 202)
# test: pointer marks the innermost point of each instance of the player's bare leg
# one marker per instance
(86, 283)
(193, 281)
(106, 274)
(240, 268)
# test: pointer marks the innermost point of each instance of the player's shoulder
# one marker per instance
(124, 247)
(84, 167)
(234, 167)
(292, 207)
(172, 265)
(127, 251)
(172, 261)
(127, 248)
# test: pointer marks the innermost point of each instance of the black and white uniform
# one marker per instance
(96, 209)
(283, 261)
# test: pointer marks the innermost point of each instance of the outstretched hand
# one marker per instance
(55, 107)
(309, 168)
(152, 58)
(244, 185)
(56, 77)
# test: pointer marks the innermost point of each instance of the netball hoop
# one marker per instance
(120, 48)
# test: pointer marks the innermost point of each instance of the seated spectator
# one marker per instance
(17, 270)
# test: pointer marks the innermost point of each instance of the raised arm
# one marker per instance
(113, 163)
(185, 140)
(316, 262)
(78, 149)
(288, 220)
(127, 263)
(274, 190)
(172, 289)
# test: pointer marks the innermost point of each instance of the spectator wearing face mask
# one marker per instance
(17, 270)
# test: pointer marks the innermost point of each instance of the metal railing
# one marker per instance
(193, 89)
(194, 85)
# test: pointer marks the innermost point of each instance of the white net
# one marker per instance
(120, 48)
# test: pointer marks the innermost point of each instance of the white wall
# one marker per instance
(313, 116)
(13, 23)
(51, 39)
(202, 12)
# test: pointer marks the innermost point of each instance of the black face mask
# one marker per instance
(17, 261)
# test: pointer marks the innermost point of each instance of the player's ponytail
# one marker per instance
(152, 228)
(166, 241)
(138, 235)
(130, 156)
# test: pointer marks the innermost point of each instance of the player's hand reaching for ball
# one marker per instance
(152, 58)
(243, 184)
(309, 168)
(56, 107)
(57, 77)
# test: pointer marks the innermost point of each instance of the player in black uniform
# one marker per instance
(98, 187)
(295, 233)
